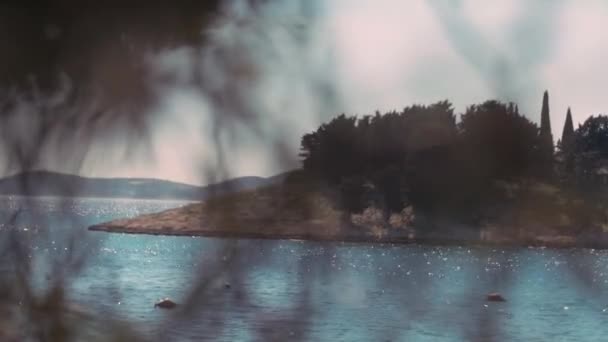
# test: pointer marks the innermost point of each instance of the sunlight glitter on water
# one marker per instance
(323, 291)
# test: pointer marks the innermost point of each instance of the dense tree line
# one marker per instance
(592, 136)
(422, 155)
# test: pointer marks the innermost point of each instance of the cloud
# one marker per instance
(238, 105)
(238, 102)
(577, 73)
(278, 62)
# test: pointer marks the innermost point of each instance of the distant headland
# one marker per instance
(47, 183)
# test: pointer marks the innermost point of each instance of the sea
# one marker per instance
(291, 290)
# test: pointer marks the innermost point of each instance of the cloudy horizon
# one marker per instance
(276, 71)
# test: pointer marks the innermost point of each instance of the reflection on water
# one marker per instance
(287, 290)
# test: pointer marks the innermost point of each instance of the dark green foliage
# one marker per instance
(545, 127)
(367, 158)
(591, 153)
(421, 156)
(567, 148)
(371, 142)
(567, 142)
(356, 193)
(545, 119)
(330, 151)
(498, 140)
(545, 156)
(592, 136)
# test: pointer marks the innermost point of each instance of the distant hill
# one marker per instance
(46, 183)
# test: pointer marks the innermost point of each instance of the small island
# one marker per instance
(420, 175)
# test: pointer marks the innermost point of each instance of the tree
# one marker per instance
(499, 141)
(545, 155)
(591, 149)
(566, 145)
(421, 156)
(592, 136)
(567, 142)
(545, 128)
(367, 158)
(330, 152)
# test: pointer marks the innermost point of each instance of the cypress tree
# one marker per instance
(545, 126)
(567, 144)
(567, 133)
(546, 139)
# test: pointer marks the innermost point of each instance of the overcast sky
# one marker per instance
(293, 69)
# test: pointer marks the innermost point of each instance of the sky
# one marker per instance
(275, 72)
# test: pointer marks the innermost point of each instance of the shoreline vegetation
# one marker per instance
(419, 176)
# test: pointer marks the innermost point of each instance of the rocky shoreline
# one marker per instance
(296, 212)
(539, 242)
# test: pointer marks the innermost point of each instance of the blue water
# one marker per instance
(295, 290)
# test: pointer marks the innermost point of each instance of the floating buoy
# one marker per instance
(165, 304)
(227, 286)
(495, 297)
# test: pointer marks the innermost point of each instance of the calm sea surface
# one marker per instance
(294, 290)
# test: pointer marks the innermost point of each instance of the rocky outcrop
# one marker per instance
(495, 297)
(165, 304)
(272, 212)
